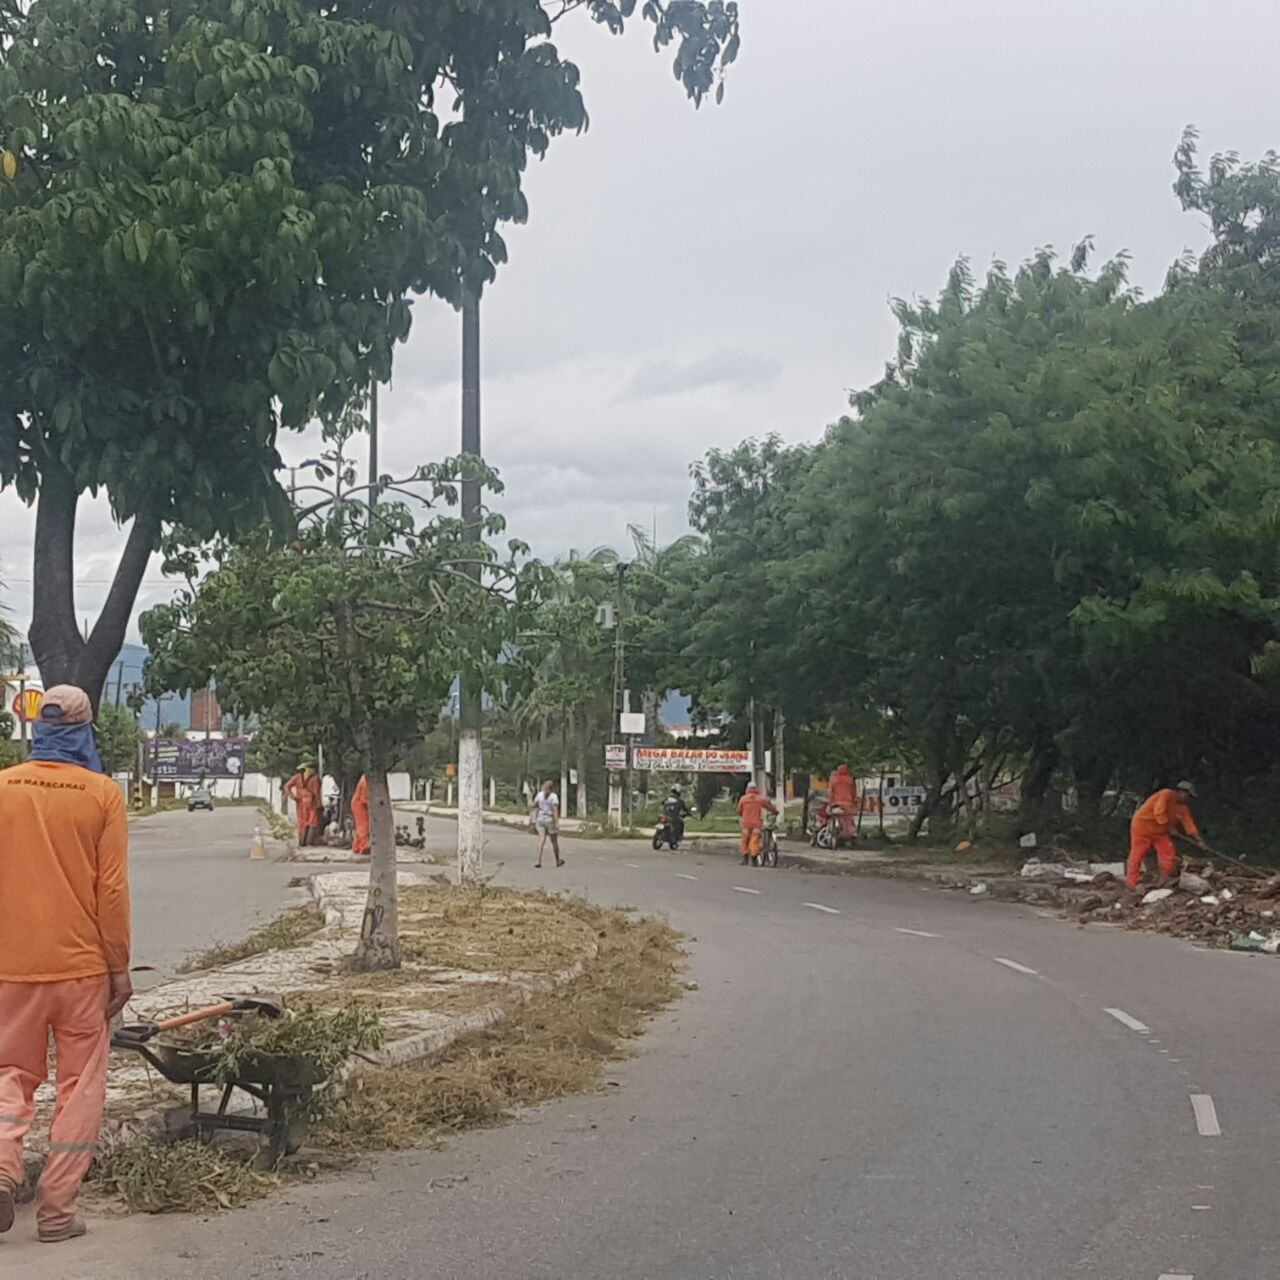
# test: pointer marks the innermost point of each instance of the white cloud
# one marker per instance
(730, 267)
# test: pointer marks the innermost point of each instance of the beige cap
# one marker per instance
(66, 704)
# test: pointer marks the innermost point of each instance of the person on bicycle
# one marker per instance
(676, 812)
(751, 810)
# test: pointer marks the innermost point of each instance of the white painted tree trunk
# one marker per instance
(470, 806)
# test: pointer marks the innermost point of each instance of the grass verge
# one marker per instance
(287, 930)
(553, 1044)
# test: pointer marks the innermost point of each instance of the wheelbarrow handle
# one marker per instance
(196, 1015)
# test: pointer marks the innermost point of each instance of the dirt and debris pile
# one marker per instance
(1217, 905)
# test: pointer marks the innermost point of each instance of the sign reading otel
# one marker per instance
(691, 760)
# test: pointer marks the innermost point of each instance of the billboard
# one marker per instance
(196, 759)
(692, 760)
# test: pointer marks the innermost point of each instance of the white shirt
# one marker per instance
(548, 803)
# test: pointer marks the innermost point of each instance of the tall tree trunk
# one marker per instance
(584, 744)
(1035, 781)
(379, 945)
(63, 655)
(965, 802)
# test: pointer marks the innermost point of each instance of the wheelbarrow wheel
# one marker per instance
(288, 1113)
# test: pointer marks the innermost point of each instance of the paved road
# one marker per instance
(874, 1080)
(193, 884)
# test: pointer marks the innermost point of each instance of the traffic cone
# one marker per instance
(257, 850)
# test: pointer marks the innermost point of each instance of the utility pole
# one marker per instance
(470, 754)
(619, 684)
(119, 681)
(373, 450)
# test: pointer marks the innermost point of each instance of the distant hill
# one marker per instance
(126, 672)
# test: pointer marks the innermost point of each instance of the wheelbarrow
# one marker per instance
(282, 1084)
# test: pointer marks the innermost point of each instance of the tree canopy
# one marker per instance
(219, 213)
(1045, 543)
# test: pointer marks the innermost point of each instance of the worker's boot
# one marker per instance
(67, 1231)
(8, 1195)
(746, 862)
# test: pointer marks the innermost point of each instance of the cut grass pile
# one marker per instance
(555, 1043)
(288, 929)
(551, 1043)
(190, 1177)
(490, 930)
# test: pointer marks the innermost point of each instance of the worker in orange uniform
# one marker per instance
(304, 790)
(360, 815)
(751, 811)
(64, 951)
(1152, 827)
(842, 794)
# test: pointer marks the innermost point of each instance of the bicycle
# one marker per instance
(769, 841)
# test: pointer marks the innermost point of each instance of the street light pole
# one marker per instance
(470, 754)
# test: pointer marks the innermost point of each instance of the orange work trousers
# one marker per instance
(749, 845)
(360, 814)
(76, 1012)
(1140, 844)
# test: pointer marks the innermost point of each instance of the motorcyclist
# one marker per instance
(676, 811)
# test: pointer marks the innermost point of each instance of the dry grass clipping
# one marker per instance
(289, 929)
(554, 1044)
(179, 1177)
(487, 929)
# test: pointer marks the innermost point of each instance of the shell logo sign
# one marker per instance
(27, 705)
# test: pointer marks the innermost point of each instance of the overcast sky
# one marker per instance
(688, 278)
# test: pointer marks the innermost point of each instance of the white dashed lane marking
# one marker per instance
(1175, 1275)
(916, 933)
(1129, 1020)
(1206, 1116)
(635, 866)
(737, 888)
(817, 906)
(1015, 966)
(683, 875)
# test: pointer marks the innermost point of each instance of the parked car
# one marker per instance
(200, 798)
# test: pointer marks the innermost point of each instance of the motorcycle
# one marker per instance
(666, 834)
(831, 828)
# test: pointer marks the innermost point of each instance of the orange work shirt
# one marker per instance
(752, 806)
(1161, 812)
(64, 883)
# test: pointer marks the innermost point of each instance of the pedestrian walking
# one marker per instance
(64, 951)
(546, 821)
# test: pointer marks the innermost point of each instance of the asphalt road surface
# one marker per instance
(873, 1080)
(193, 885)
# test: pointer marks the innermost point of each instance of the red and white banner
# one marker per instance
(692, 760)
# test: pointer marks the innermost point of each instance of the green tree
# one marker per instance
(219, 211)
(362, 622)
(118, 738)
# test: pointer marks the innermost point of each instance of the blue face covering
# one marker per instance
(65, 744)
